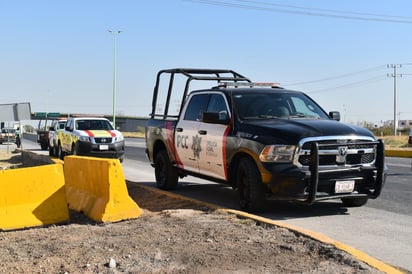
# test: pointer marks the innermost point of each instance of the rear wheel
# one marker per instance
(44, 146)
(251, 192)
(60, 153)
(166, 174)
(51, 151)
(354, 202)
(55, 150)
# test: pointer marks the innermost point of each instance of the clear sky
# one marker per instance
(58, 55)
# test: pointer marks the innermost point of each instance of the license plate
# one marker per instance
(104, 147)
(344, 186)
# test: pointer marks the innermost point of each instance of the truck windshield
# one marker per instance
(93, 125)
(268, 105)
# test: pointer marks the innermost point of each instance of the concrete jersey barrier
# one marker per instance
(32, 197)
(97, 187)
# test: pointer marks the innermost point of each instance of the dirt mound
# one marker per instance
(171, 236)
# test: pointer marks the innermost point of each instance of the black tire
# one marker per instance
(166, 174)
(354, 202)
(60, 153)
(55, 150)
(74, 149)
(44, 146)
(51, 151)
(250, 187)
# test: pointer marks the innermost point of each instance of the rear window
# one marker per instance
(8, 130)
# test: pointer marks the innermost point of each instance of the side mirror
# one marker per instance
(335, 115)
(216, 117)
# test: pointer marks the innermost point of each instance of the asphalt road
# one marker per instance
(382, 228)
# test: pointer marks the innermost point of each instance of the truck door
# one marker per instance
(188, 142)
(66, 141)
(212, 157)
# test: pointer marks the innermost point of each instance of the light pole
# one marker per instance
(394, 75)
(115, 33)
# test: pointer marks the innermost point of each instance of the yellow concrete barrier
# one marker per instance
(398, 153)
(32, 196)
(97, 187)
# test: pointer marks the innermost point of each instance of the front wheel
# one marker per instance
(75, 149)
(249, 182)
(166, 174)
(354, 202)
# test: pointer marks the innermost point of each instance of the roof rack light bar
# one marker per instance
(244, 84)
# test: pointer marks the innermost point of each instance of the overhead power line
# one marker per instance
(358, 83)
(267, 7)
(327, 10)
(338, 76)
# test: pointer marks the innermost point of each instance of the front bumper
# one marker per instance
(315, 183)
(113, 150)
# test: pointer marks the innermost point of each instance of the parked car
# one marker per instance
(410, 137)
(267, 142)
(90, 136)
(8, 135)
(54, 129)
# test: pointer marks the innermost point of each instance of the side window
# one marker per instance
(216, 104)
(197, 105)
(69, 125)
(304, 108)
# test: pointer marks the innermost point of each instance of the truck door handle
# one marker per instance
(202, 132)
(179, 129)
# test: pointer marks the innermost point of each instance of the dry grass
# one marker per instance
(396, 142)
(133, 134)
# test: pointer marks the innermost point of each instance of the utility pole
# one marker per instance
(394, 75)
(115, 33)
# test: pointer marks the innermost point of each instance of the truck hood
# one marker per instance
(291, 131)
(99, 133)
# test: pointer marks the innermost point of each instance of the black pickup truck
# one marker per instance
(263, 140)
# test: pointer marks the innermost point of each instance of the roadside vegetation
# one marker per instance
(386, 133)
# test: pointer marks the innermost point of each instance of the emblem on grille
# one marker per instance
(103, 140)
(341, 157)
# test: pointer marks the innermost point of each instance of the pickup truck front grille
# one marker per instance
(338, 152)
(103, 140)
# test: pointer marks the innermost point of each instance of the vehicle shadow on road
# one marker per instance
(225, 197)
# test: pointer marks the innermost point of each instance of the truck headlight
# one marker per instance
(277, 153)
(119, 138)
(84, 138)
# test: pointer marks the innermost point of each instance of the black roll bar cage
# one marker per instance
(218, 75)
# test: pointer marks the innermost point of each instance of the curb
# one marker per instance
(373, 262)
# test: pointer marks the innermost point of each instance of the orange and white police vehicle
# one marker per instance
(263, 140)
(90, 136)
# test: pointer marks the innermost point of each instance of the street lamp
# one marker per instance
(115, 33)
(394, 75)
